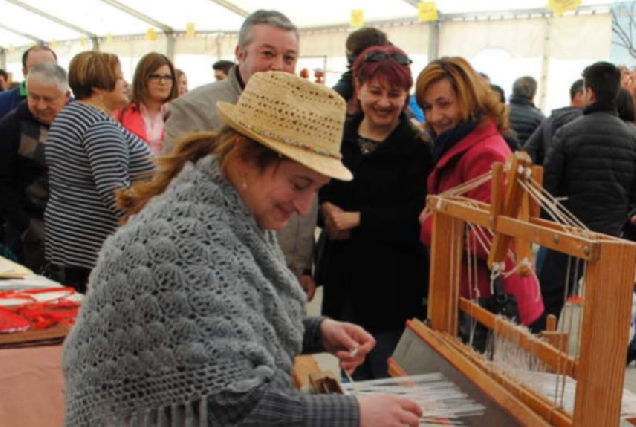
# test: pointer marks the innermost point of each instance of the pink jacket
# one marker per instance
(469, 158)
(133, 120)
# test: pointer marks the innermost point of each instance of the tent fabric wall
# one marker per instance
(411, 37)
(581, 37)
(503, 49)
(552, 49)
(217, 45)
(521, 37)
(329, 47)
(574, 44)
(195, 55)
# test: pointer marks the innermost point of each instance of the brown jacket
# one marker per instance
(196, 110)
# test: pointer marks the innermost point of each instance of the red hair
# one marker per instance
(388, 71)
(396, 74)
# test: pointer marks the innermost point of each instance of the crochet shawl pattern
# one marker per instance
(191, 311)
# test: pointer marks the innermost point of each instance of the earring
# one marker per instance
(243, 182)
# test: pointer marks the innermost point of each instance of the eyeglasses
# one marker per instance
(160, 77)
(377, 56)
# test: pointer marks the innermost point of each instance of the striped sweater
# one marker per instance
(89, 156)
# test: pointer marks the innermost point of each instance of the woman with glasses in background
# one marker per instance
(373, 267)
(154, 84)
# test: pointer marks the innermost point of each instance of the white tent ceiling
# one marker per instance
(24, 22)
(504, 38)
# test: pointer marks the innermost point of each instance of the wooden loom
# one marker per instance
(609, 279)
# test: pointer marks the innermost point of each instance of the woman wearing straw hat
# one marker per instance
(192, 316)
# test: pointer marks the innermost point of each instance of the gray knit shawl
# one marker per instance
(190, 298)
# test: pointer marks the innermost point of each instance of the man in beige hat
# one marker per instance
(268, 41)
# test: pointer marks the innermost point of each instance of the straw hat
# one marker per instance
(299, 119)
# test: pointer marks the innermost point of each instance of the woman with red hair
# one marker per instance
(373, 268)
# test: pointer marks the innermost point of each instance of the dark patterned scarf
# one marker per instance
(447, 140)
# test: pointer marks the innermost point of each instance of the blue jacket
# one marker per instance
(10, 99)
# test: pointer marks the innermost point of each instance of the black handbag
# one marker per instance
(499, 303)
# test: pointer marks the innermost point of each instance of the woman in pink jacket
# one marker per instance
(154, 84)
(466, 121)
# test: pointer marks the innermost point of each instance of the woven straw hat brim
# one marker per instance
(325, 165)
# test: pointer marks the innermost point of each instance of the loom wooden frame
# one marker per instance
(609, 279)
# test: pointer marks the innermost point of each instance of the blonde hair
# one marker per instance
(226, 143)
(92, 70)
(476, 100)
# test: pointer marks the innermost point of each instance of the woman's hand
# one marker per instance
(345, 221)
(335, 222)
(424, 215)
(308, 285)
(384, 410)
(348, 342)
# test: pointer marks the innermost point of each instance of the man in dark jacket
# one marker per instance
(540, 141)
(524, 116)
(593, 165)
(34, 55)
(23, 172)
(356, 42)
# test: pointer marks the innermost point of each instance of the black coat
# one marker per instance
(345, 85)
(593, 164)
(378, 277)
(540, 141)
(24, 188)
(524, 118)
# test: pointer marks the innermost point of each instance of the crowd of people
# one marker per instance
(188, 217)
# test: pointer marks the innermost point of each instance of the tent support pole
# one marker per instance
(433, 40)
(545, 63)
(95, 42)
(170, 44)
